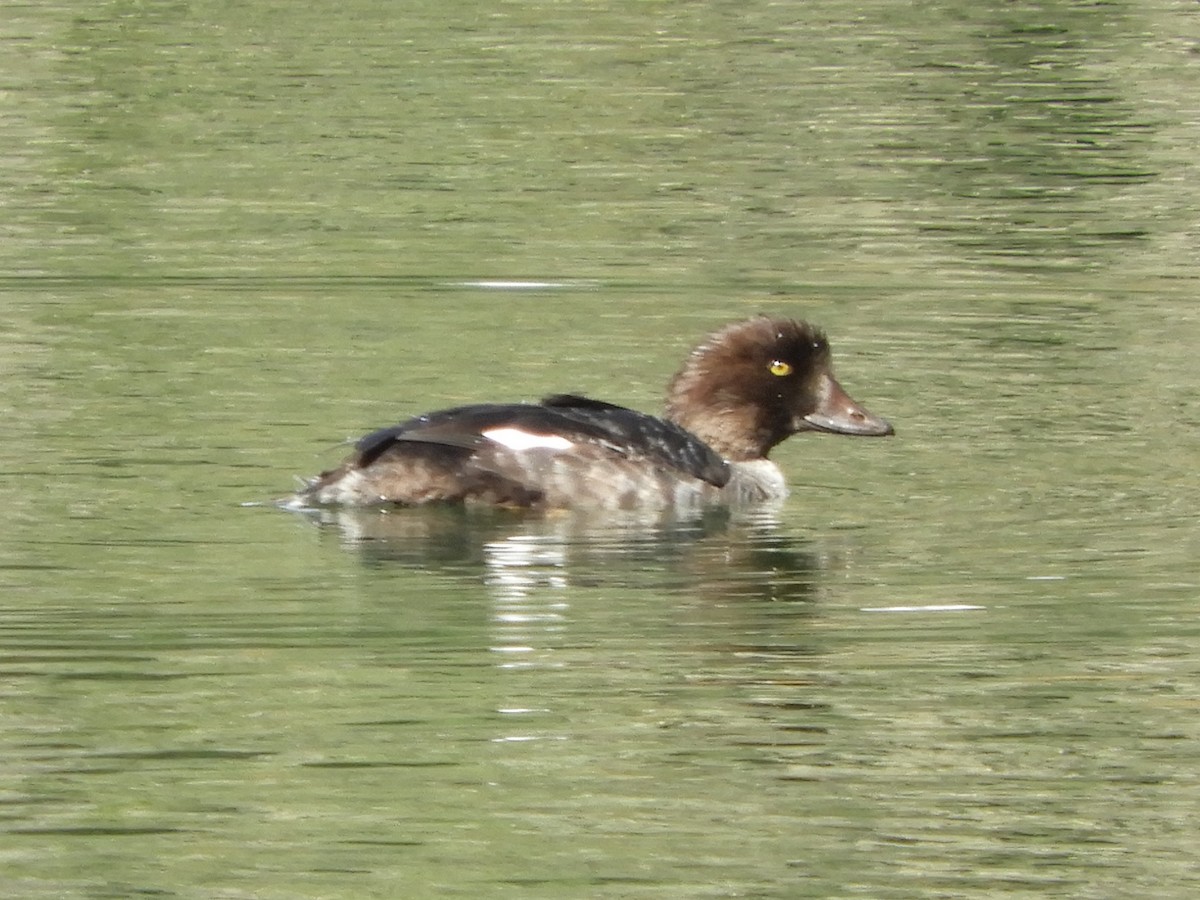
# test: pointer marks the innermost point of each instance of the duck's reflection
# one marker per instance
(709, 604)
(718, 552)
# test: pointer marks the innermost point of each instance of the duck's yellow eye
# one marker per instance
(780, 368)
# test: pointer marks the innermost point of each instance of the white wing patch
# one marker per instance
(516, 439)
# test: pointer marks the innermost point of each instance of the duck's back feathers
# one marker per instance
(637, 435)
(552, 453)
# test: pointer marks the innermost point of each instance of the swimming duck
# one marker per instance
(743, 390)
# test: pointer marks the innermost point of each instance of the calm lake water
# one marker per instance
(962, 662)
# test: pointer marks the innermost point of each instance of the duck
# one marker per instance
(742, 391)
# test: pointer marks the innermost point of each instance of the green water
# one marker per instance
(961, 662)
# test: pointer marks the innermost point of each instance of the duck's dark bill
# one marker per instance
(839, 414)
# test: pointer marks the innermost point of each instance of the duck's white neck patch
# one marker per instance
(516, 439)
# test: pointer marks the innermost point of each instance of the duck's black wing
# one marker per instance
(462, 426)
(658, 440)
(614, 429)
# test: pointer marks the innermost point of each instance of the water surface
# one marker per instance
(960, 662)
